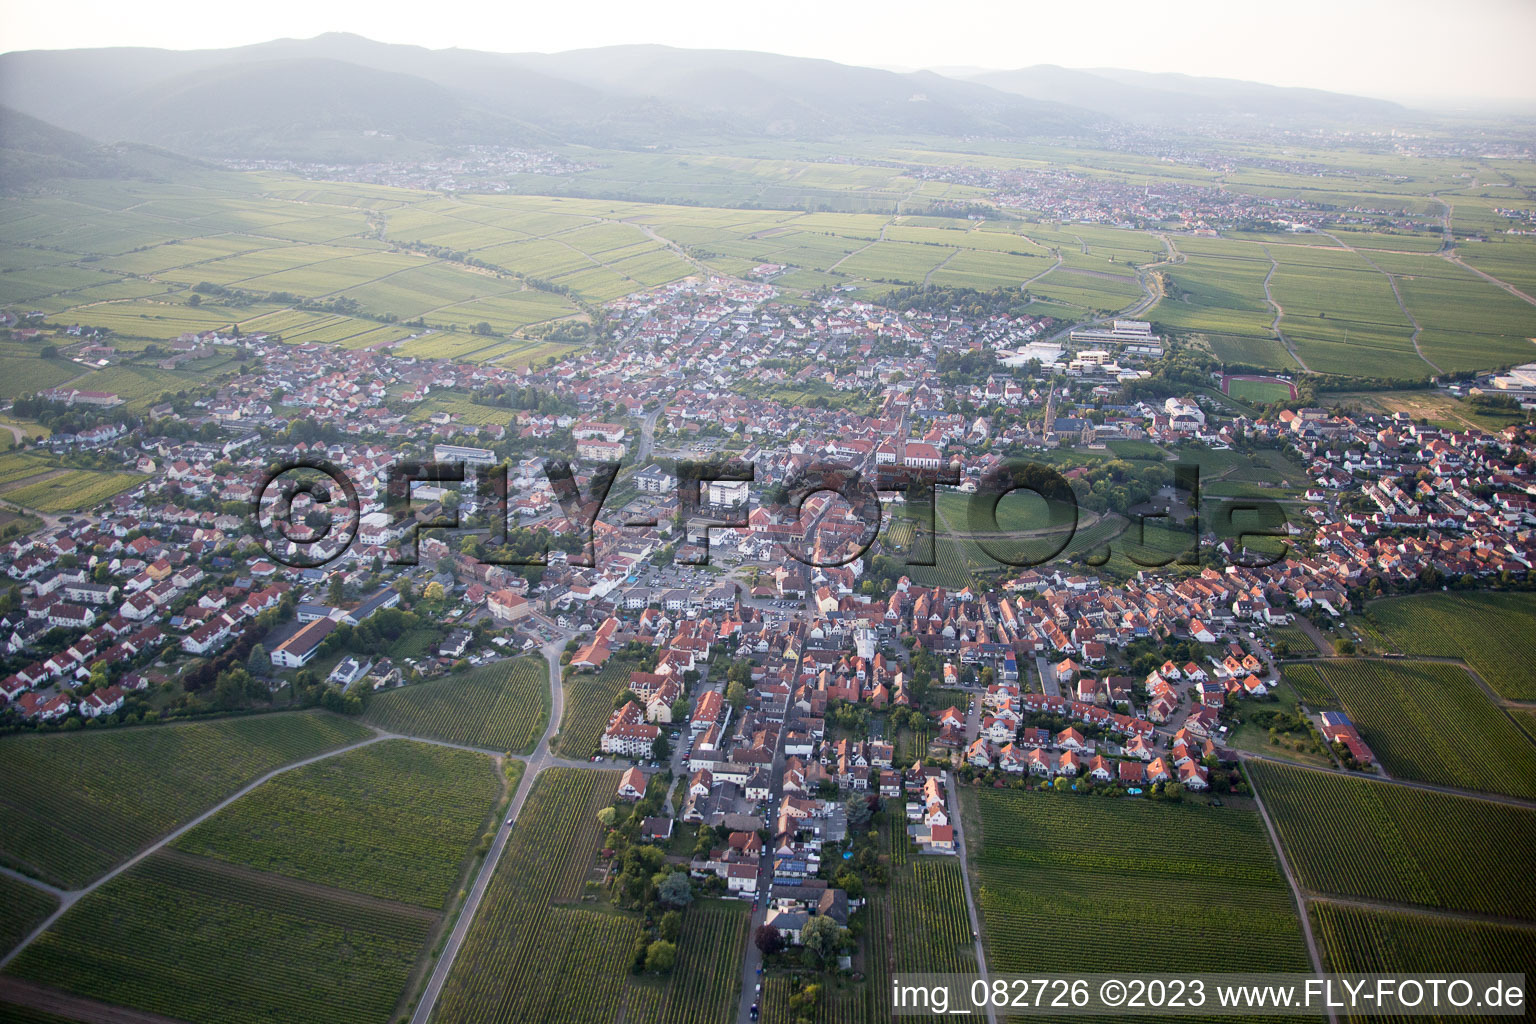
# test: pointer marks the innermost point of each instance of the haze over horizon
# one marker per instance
(1410, 51)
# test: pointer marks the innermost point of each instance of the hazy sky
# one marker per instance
(1404, 49)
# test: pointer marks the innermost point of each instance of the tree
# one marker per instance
(736, 695)
(660, 956)
(606, 816)
(260, 662)
(338, 591)
(768, 940)
(433, 591)
(624, 697)
(858, 811)
(671, 925)
(823, 938)
(675, 890)
(680, 709)
(661, 747)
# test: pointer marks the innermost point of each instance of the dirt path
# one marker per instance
(72, 897)
(1392, 280)
(16, 992)
(929, 276)
(1297, 893)
(1280, 312)
(282, 884)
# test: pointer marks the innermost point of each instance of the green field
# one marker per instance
(76, 804)
(182, 937)
(123, 254)
(1494, 633)
(930, 926)
(1356, 940)
(1430, 722)
(309, 899)
(1261, 392)
(1350, 836)
(391, 820)
(1204, 879)
(1309, 682)
(537, 951)
(588, 703)
(70, 490)
(500, 706)
(26, 907)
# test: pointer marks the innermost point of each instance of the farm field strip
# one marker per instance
(1356, 940)
(1429, 721)
(538, 951)
(1490, 632)
(391, 820)
(67, 817)
(1132, 868)
(1351, 836)
(500, 706)
(588, 703)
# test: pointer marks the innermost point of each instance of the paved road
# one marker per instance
(542, 758)
(1433, 787)
(753, 958)
(1296, 890)
(70, 898)
(1048, 681)
(953, 799)
(648, 434)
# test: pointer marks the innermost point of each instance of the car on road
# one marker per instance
(509, 821)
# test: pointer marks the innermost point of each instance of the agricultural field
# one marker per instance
(1217, 293)
(1204, 878)
(76, 804)
(16, 466)
(1439, 408)
(1430, 722)
(1490, 632)
(391, 820)
(123, 254)
(26, 907)
(930, 927)
(25, 373)
(69, 490)
(1356, 940)
(500, 706)
(1309, 684)
(193, 940)
(538, 951)
(588, 703)
(1350, 836)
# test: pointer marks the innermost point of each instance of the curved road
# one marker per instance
(1275, 324)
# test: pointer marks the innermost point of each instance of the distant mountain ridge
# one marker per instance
(1167, 97)
(352, 98)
